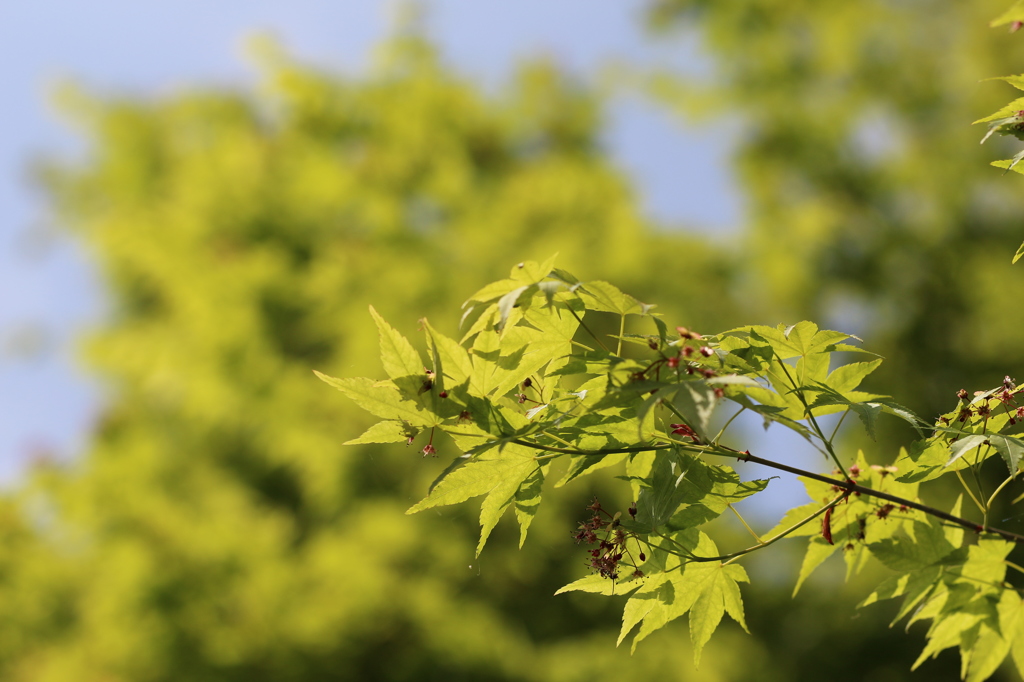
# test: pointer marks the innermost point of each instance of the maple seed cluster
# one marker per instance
(611, 548)
(522, 397)
(1006, 398)
(676, 362)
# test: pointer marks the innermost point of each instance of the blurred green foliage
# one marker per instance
(216, 529)
(871, 203)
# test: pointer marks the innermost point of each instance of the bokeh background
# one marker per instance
(198, 202)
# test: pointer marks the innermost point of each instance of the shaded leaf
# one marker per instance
(696, 401)
(928, 546)
(455, 361)
(384, 432)
(598, 584)
(527, 500)
(1009, 448)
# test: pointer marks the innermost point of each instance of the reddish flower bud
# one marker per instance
(429, 449)
(961, 394)
(442, 394)
(673, 362)
(706, 352)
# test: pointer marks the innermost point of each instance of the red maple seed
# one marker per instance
(684, 430)
(826, 526)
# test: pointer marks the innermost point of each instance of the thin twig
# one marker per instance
(848, 484)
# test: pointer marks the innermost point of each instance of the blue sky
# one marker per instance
(49, 294)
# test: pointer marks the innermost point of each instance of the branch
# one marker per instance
(761, 545)
(852, 487)
(745, 456)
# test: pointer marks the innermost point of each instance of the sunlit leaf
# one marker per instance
(381, 401)
(480, 477)
(398, 356)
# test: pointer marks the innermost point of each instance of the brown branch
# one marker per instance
(847, 485)
(852, 487)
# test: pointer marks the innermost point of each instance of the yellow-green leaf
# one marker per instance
(1014, 14)
(707, 613)
(478, 477)
(382, 401)
(398, 356)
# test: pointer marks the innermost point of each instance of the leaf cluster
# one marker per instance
(532, 383)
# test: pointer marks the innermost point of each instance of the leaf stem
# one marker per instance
(999, 489)
(729, 558)
(721, 432)
(622, 331)
(745, 525)
(970, 492)
(838, 424)
(588, 330)
(814, 422)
